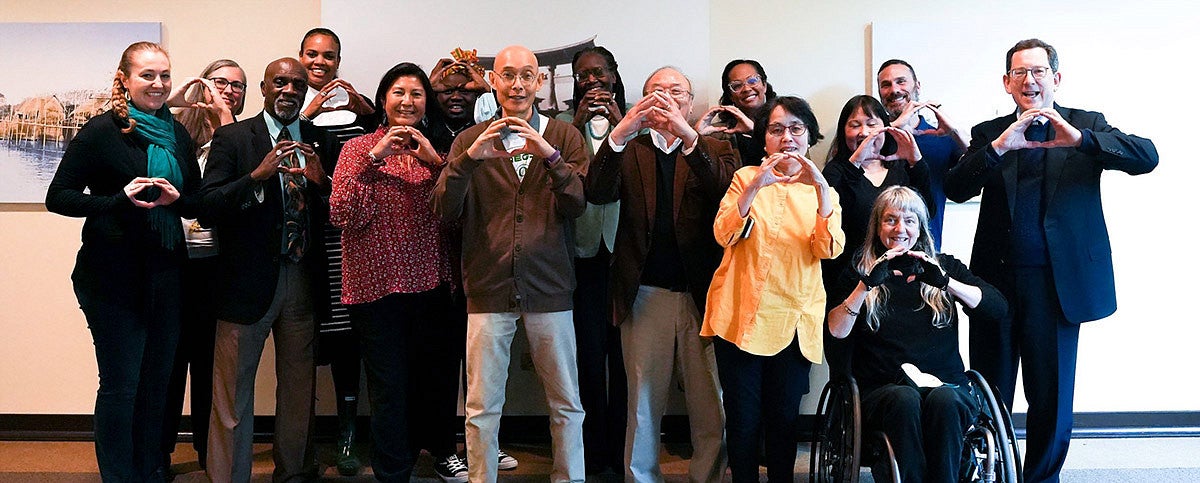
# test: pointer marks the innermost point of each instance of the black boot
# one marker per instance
(347, 462)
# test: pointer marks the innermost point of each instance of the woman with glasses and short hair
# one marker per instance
(777, 222)
(744, 94)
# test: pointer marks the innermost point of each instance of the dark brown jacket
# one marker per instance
(518, 236)
(701, 180)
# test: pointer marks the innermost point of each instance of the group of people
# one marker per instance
(632, 244)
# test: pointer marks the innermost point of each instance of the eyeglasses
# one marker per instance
(777, 130)
(598, 72)
(675, 92)
(526, 78)
(222, 83)
(1021, 72)
(751, 81)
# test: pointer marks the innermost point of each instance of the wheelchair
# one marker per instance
(990, 452)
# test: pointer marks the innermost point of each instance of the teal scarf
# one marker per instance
(158, 129)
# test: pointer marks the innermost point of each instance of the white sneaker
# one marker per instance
(452, 469)
(506, 462)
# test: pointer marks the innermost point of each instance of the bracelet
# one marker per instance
(304, 118)
(848, 311)
(553, 158)
(374, 160)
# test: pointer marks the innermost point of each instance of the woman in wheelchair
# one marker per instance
(902, 318)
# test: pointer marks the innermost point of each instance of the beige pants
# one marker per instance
(236, 354)
(662, 336)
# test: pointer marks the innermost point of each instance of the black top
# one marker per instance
(906, 332)
(117, 236)
(664, 267)
(857, 194)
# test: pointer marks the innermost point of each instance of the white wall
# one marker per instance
(818, 50)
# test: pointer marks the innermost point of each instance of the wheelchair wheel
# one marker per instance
(1003, 456)
(882, 459)
(837, 442)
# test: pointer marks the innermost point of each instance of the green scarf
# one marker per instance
(158, 129)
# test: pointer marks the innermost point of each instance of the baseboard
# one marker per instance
(535, 429)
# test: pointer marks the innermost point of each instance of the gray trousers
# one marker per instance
(662, 336)
(236, 355)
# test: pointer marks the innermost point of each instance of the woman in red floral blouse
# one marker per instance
(396, 279)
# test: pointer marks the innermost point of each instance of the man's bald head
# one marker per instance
(516, 79)
(283, 86)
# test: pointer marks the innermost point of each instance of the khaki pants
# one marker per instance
(662, 335)
(237, 351)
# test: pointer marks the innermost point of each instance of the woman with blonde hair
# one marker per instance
(902, 318)
(131, 172)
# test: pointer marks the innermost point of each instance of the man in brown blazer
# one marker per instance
(670, 181)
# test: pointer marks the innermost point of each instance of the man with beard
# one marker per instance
(1042, 241)
(264, 188)
(514, 185)
(941, 146)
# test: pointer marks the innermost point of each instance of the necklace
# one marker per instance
(454, 132)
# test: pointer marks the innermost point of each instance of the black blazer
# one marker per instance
(1076, 236)
(117, 238)
(251, 232)
(701, 179)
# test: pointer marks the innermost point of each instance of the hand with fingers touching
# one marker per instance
(883, 269)
(665, 116)
(1063, 133)
(535, 144)
(929, 272)
(635, 120)
(357, 103)
(271, 163)
(906, 146)
(706, 125)
(313, 169)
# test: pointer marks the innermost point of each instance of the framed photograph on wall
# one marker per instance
(62, 76)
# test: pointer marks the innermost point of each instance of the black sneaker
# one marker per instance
(451, 469)
(506, 462)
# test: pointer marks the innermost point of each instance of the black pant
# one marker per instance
(407, 345)
(135, 341)
(1037, 333)
(602, 384)
(926, 432)
(761, 395)
(194, 356)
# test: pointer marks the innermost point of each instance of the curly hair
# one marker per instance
(120, 102)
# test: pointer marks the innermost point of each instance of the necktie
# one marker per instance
(294, 216)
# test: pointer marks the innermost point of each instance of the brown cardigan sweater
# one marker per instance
(518, 235)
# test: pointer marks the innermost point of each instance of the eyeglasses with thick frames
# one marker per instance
(751, 81)
(1021, 72)
(221, 83)
(777, 130)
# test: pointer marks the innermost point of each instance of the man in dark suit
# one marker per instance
(266, 189)
(1041, 240)
(670, 182)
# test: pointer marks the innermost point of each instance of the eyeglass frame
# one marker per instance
(597, 72)
(509, 78)
(237, 86)
(1021, 72)
(790, 128)
(752, 80)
